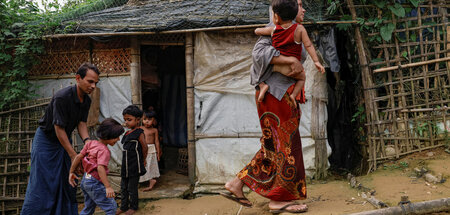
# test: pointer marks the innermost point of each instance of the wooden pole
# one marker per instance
(135, 72)
(318, 135)
(411, 65)
(367, 83)
(427, 207)
(189, 51)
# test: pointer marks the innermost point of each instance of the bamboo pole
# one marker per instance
(328, 22)
(72, 76)
(189, 52)
(426, 207)
(411, 65)
(135, 72)
(370, 107)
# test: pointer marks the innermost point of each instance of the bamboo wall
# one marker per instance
(407, 87)
(64, 55)
(17, 128)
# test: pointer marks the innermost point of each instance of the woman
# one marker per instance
(277, 171)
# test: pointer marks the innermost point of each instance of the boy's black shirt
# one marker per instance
(132, 157)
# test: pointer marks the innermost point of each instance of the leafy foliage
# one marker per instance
(22, 26)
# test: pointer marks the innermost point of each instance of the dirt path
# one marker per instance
(391, 181)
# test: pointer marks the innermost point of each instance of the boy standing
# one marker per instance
(95, 157)
(154, 151)
(133, 160)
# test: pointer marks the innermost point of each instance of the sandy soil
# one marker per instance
(391, 181)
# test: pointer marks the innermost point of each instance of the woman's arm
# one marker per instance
(102, 173)
(287, 65)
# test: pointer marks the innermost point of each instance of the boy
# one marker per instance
(95, 157)
(133, 162)
(154, 151)
(287, 38)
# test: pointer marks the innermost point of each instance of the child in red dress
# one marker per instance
(287, 37)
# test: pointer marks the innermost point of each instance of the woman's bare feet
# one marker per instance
(130, 211)
(150, 186)
(279, 207)
(235, 187)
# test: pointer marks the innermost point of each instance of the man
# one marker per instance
(48, 190)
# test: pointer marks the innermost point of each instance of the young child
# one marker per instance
(133, 160)
(287, 38)
(154, 151)
(95, 157)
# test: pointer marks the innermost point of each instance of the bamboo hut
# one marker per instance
(190, 62)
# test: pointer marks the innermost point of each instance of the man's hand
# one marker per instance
(72, 178)
(110, 193)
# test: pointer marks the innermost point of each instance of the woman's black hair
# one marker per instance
(109, 129)
(133, 110)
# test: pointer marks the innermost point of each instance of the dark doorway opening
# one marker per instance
(164, 91)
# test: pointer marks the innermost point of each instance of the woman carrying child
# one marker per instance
(276, 171)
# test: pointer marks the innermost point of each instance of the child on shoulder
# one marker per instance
(287, 37)
(133, 160)
(154, 150)
(95, 157)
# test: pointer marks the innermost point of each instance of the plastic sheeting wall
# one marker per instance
(115, 95)
(225, 105)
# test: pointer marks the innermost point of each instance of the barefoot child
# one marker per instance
(154, 151)
(287, 38)
(133, 160)
(95, 157)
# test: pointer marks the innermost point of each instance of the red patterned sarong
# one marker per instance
(277, 171)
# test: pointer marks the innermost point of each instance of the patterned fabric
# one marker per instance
(277, 171)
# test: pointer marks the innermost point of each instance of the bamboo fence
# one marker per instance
(406, 82)
(17, 128)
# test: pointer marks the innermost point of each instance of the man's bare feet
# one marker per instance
(150, 186)
(292, 207)
(235, 187)
(130, 211)
(263, 88)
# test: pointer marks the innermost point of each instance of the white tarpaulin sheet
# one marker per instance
(225, 105)
(115, 95)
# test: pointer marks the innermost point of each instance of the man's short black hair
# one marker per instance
(149, 114)
(286, 9)
(132, 110)
(109, 129)
(85, 67)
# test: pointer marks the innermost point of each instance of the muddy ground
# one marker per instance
(333, 196)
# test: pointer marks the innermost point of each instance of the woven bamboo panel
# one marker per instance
(411, 82)
(65, 56)
(112, 60)
(60, 63)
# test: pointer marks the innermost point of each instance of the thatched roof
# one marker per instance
(155, 16)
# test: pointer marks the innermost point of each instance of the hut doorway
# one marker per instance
(164, 91)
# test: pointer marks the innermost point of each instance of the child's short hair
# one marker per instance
(109, 129)
(132, 110)
(149, 114)
(286, 9)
